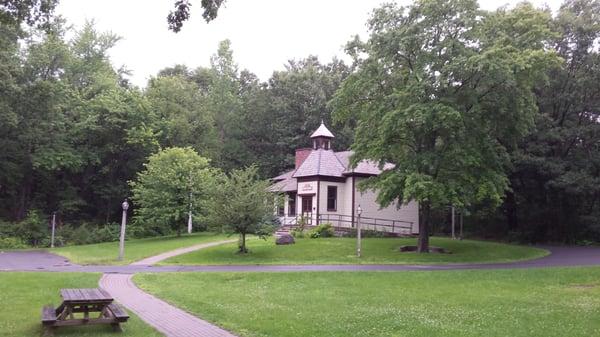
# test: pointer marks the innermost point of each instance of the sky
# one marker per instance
(264, 34)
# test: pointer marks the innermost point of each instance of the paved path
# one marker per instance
(43, 261)
(167, 319)
(160, 257)
(30, 260)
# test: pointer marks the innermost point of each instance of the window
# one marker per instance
(280, 211)
(332, 198)
(292, 204)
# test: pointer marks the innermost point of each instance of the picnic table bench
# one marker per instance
(83, 301)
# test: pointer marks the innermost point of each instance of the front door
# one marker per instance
(307, 207)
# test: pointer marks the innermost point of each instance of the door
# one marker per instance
(307, 208)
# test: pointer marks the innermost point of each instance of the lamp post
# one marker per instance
(190, 216)
(53, 229)
(125, 206)
(358, 233)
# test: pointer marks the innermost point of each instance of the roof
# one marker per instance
(363, 167)
(287, 185)
(320, 162)
(284, 176)
(322, 131)
(323, 162)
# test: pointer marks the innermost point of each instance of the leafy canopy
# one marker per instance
(442, 90)
(243, 205)
(173, 179)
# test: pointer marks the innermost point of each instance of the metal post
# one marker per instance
(53, 229)
(358, 232)
(453, 232)
(190, 216)
(125, 206)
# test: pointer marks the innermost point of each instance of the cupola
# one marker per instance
(322, 138)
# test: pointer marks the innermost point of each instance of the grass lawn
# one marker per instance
(23, 294)
(501, 303)
(343, 250)
(107, 252)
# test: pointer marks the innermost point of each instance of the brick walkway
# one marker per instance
(160, 257)
(167, 319)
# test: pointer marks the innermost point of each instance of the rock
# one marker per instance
(284, 239)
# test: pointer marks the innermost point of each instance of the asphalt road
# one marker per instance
(44, 261)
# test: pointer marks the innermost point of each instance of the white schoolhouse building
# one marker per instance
(322, 188)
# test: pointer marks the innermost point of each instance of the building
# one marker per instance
(322, 188)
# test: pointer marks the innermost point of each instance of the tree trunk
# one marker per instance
(423, 240)
(242, 244)
(510, 210)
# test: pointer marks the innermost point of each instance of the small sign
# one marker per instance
(307, 187)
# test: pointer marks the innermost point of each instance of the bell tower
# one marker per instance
(322, 138)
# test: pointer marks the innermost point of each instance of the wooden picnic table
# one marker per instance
(86, 302)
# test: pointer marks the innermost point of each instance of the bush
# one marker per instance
(365, 233)
(33, 229)
(298, 233)
(107, 233)
(324, 230)
(11, 243)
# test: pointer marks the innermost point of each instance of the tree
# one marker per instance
(242, 205)
(181, 12)
(174, 181)
(556, 168)
(297, 103)
(443, 91)
(31, 12)
(180, 116)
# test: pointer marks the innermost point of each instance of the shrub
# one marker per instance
(11, 243)
(298, 233)
(324, 230)
(365, 233)
(107, 233)
(33, 229)
(80, 236)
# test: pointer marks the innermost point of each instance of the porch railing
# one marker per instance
(367, 223)
(341, 221)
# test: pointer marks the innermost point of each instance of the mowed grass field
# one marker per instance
(553, 302)
(343, 251)
(107, 252)
(24, 294)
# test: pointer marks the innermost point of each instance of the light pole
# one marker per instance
(125, 206)
(358, 232)
(53, 229)
(190, 216)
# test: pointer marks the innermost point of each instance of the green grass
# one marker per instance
(343, 251)
(23, 294)
(500, 303)
(107, 252)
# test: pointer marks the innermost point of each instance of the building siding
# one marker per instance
(368, 202)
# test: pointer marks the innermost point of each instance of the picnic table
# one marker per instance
(87, 302)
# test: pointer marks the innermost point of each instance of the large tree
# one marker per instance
(442, 91)
(174, 182)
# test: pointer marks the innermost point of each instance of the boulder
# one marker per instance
(284, 239)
